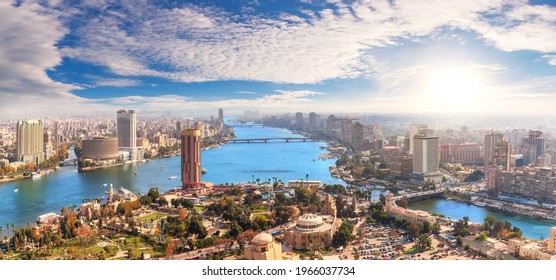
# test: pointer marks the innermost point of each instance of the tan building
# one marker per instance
(30, 142)
(552, 240)
(514, 244)
(263, 247)
(413, 216)
(535, 252)
(312, 231)
(329, 207)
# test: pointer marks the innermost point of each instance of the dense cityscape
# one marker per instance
(399, 139)
(382, 170)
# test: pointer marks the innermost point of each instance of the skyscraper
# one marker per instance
(221, 115)
(191, 158)
(30, 141)
(299, 120)
(425, 152)
(55, 137)
(312, 121)
(503, 154)
(127, 133)
(414, 129)
(490, 143)
(358, 136)
(536, 139)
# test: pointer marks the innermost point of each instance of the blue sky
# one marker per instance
(380, 56)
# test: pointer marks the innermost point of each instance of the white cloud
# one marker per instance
(279, 100)
(550, 58)
(192, 44)
(187, 43)
(114, 82)
(27, 50)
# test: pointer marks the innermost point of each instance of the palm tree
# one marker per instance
(0, 232)
(8, 229)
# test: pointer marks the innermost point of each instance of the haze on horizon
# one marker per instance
(402, 57)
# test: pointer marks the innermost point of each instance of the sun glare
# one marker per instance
(450, 90)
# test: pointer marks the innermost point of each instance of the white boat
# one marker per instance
(203, 170)
(16, 190)
(36, 176)
(105, 185)
(478, 203)
(172, 177)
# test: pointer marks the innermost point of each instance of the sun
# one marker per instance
(454, 90)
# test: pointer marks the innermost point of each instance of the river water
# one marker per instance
(532, 228)
(231, 163)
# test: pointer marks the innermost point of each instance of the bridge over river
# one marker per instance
(265, 140)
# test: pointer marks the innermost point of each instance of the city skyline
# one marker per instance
(346, 56)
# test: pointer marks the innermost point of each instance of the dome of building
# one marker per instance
(309, 222)
(262, 238)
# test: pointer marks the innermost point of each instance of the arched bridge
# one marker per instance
(265, 140)
(246, 125)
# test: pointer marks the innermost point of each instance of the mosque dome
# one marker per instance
(309, 222)
(262, 238)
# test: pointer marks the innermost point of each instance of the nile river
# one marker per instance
(231, 163)
(531, 228)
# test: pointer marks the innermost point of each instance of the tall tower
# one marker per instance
(221, 115)
(312, 121)
(425, 152)
(127, 132)
(414, 129)
(357, 136)
(490, 143)
(55, 137)
(111, 194)
(502, 154)
(299, 120)
(536, 140)
(30, 141)
(552, 240)
(191, 158)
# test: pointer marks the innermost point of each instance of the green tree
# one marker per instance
(153, 194)
(413, 230)
(424, 241)
(481, 237)
(343, 236)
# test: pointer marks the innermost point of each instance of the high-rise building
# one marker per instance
(191, 158)
(221, 115)
(425, 152)
(491, 140)
(503, 154)
(536, 139)
(178, 126)
(414, 129)
(30, 141)
(127, 133)
(312, 121)
(299, 120)
(358, 136)
(56, 139)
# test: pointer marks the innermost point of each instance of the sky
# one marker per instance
(378, 56)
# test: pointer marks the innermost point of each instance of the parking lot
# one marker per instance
(380, 242)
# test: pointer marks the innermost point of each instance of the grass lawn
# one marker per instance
(417, 250)
(151, 217)
(78, 248)
(199, 208)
